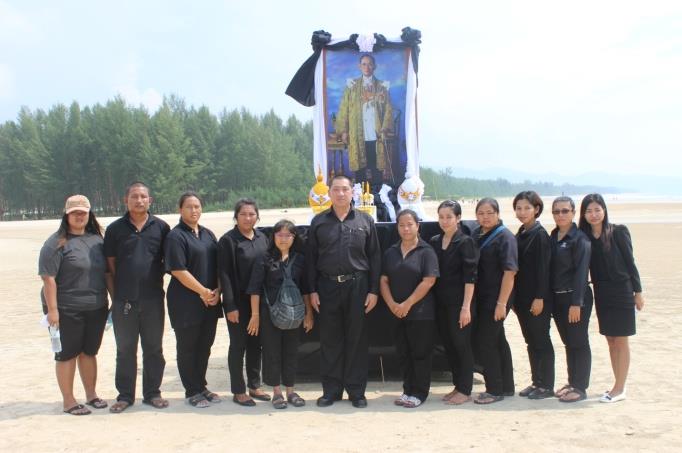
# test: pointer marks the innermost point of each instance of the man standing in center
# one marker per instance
(344, 265)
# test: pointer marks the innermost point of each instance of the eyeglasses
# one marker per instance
(563, 211)
(284, 235)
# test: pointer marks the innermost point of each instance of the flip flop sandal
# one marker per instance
(211, 397)
(527, 391)
(295, 400)
(78, 409)
(453, 402)
(156, 402)
(412, 402)
(487, 398)
(400, 401)
(573, 391)
(119, 406)
(278, 402)
(449, 395)
(97, 403)
(562, 391)
(198, 401)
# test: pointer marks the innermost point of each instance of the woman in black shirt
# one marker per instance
(572, 297)
(280, 346)
(497, 265)
(409, 270)
(238, 250)
(453, 291)
(193, 294)
(617, 287)
(531, 305)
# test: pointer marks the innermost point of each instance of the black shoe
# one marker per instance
(359, 403)
(325, 401)
(259, 397)
(540, 394)
(509, 393)
(528, 390)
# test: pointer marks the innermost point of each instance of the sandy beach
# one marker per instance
(649, 420)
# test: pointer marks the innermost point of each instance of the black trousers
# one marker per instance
(575, 338)
(494, 353)
(535, 330)
(457, 344)
(414, 346)
(343, 336)
(143, 321)
(280, 351)
(371, 155)
(241, 344)
(193, 350)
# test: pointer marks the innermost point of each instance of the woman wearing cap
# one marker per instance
(73, 268)
(617, 287)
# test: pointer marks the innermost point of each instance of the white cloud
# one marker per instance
(128, 87)
(6, 82)
(15, 25)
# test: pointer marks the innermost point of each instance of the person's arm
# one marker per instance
(311, 255)
(50, 293)
(542, 258)
(581, 262)
(111, 267)
(373, 251)
(418, 294)
(465, 312)
(309, 320)
(503, 297)
(188, 281)
(623, 240)
(386, 294)
(254, 322)
(509, 258)
(226, 273)
(49, 263)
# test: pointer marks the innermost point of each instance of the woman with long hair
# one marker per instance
(617, 287)
(531, 304)
(284, 258)
(73, 268)
(497, 265)
(453, 291)
(193, 296)
(238, 251)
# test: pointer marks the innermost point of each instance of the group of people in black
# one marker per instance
(460, 283)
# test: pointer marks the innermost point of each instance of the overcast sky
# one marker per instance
(531, 86)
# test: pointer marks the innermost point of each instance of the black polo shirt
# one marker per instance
(532, 280)
(496, 256)
(570, 263)
(236, 256)
(405, 274)
(139, 258)
(336, 247)
(615, 263)
(458, 265)
(198, 255)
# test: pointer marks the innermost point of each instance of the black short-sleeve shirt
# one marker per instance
(458, 265)
(496, 256)
(139, 258)
(198, 255)
(268, 273)
(405, 274)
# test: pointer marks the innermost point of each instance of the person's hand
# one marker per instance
(639, 301)
(464, 317)
(574, 314)
(308, 322)
(403, 309)
(344, 137)
(536, 307)
(213, 301)
(53, 318)
(315, 301)
(206, 295)
(254, 322)
(500, 312)
(233, 316)
(370, 302)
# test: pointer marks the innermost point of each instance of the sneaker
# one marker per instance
(607, 398)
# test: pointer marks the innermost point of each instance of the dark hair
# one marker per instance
(136, 184)
(531, 197)
(92, 227)
(453, 205)
(564, 199)
(370, 56)
(405, 212)
(296, 246)
(189, 194)
(347, 178)
(245, 202)
(606, 226)
(491, 201)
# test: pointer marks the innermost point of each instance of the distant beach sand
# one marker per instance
(649, 420)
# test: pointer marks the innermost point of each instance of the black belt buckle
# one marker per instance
(344, 278)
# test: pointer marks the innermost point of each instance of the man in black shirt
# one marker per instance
(133, 246)
(344, 265)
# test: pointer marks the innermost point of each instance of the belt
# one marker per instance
(563, 291)
(341, 278)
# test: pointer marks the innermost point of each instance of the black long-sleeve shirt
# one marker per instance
(336, 247)
(570, 263)
(532, 279)
(458, 265)
(236, 257)
(618, 262)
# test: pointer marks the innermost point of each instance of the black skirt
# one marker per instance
(615, 304)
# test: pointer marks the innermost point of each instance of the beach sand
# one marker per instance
(649, 420)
